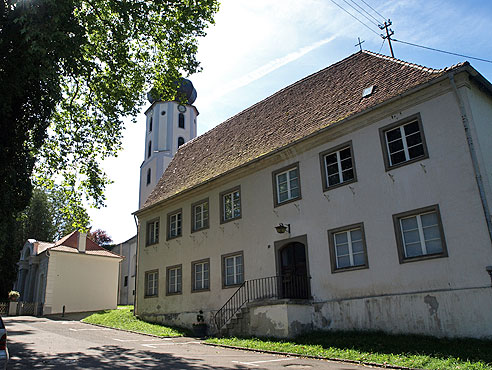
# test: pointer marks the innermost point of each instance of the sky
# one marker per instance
(258, 47)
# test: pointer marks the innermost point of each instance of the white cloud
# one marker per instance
(263, 70)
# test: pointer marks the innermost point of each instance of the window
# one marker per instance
(151, 283)
(125, 281)
(230, 206)
(174, 282)
(174, 224)
(181, 120)
(337, 166)
(201, 277)
(199, 215)
(348, 248)
(149, 149)
(232, 269)
(148, 176)
(419, 234)
(181, 141)
(153, 232)
(150, 124)
(286, 184)
(403, 142)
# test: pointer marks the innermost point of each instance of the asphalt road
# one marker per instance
(42, 343)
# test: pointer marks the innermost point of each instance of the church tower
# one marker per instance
(169, 125)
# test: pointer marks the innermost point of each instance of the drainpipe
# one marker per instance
(136, 271)
(473, 154)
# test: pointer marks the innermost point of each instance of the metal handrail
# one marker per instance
(277, 287)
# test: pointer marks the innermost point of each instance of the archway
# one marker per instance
(293, 271)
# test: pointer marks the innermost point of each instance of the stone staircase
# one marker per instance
(238, 324)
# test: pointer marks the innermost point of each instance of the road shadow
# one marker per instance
(104, 357)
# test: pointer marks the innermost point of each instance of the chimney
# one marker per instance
(81, 242)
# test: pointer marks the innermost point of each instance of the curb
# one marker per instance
(375, 364)
(130, 331)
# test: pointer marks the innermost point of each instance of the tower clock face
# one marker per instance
(181, 108)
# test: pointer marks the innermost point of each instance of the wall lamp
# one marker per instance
(281, 228)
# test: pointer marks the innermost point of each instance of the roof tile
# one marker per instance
(287, 116)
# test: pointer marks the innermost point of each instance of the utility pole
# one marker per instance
(389, 33)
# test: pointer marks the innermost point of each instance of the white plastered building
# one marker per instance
(73, 274)
(356, 198)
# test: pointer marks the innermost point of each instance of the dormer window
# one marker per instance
(149, 149)
(367, 91)
(181, 120)
(150, 125)
(181, 141)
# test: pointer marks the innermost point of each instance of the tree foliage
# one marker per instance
(70, 70)
(36, 221)
(101, 237)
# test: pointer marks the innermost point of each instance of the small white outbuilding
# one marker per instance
(74, 274)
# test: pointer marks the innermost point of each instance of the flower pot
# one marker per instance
(200, 330)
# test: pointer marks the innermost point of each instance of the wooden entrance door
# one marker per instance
(293, 271)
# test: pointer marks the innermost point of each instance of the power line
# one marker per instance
(365, 11)
(381, 46)
(358, 11)
(443, 51)
(353, 16)
(374, 10)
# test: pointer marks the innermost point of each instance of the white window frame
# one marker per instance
(153, 232)
(205, 280)
(287, 171)
(339, 167)
(152, 283)
(324, 166)
(230, 195)
(203, 215)
(420, 228)
(400, 125)
(238, 277)
(175, 224)
(335, 267)
(174, 283)
(350, 246)
(400, 237)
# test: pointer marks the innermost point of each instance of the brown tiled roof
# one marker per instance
(307, 106)
(69, 243)
(42, 246)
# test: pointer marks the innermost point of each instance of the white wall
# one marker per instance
(445, 178)
(80, 282)
(164, 136)
(479, 109)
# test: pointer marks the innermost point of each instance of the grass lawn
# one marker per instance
(122, 318)
(402, 350)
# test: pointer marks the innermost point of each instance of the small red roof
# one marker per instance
(69, 243)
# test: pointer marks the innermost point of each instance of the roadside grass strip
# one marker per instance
(123, 318)
(371, 348)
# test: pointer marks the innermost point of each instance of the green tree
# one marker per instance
(70, 70)
(36, 221)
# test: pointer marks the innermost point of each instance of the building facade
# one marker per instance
(169, 125)
(356, 198)
(127, 271)
(72, 275)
